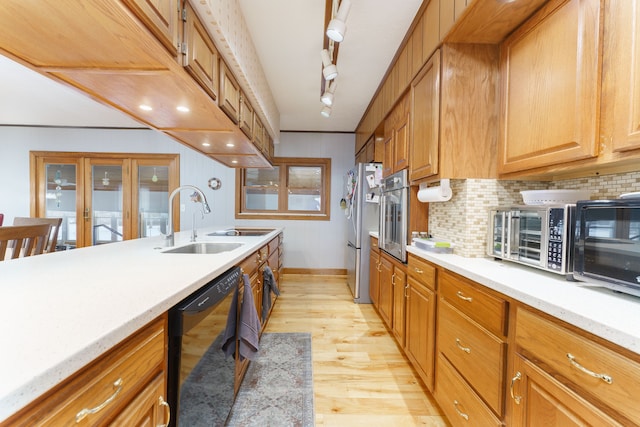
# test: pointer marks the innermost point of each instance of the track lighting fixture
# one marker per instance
(330, 71)
(337, 26)
(326, 111)
(327, 96)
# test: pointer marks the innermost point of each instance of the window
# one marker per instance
(295, 188)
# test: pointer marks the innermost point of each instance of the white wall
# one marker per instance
(308, 244)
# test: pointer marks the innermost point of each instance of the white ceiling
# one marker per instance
(288, 36)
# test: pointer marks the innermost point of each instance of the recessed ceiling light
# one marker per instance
(182, 109)
(234, 161)
(230, 144)
(206, 144)
(145, 107)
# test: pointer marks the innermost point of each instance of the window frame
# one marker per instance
(282, 213)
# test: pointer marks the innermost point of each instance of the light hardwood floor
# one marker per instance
(360, 376)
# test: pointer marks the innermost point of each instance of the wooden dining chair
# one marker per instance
(55, 223)
(23, 240)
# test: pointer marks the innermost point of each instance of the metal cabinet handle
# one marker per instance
(393, 279)
(461, 347)
(83, 413)
(604, 377)
(515, 398)
(463, 297)
(462, 414)
(378, 266)
(406, 288)
(417, 270)
(167, 410)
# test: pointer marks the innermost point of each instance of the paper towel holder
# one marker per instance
(440, 193)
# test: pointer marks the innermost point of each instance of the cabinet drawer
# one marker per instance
(458, 401)
(477, 354)
(115, 379)
(422, 271)
(273, 246)
(551, 344)
(250, 263)
(487, 310)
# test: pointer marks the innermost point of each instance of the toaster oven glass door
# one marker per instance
(529, 227)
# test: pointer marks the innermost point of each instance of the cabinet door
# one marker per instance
(387, 161)
(374, 281)
(385, 299)
(201, 57)
(538, 399)
(246, 116)
(621, 77)
(148, 408)
(401, 144)
(229, 93)
(162, 19)
(551, 87)
(425, 120)
(420, 330)
(399, 282)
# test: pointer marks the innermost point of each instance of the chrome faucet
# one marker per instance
(197, 196)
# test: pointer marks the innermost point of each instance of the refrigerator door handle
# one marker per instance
(351, 245)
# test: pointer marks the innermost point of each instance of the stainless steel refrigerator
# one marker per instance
(361, 204)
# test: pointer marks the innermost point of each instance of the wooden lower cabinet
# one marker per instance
(576, 379)
(420, 330)
(385, 296)
(127, 383)
(544, 401)
(374, 272)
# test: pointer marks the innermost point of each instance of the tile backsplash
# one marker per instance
(463, 219)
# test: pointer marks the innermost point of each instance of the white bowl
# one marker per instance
(554, 197)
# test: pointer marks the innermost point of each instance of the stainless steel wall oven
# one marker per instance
(394, 212)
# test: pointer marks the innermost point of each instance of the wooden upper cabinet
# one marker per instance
(246, 116)
(258, 133)
(396, 138)
(200, 55)
(551, 86)
(229, 93)
(425, 120)
(620, 120)
(162, 17)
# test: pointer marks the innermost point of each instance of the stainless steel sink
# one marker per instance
(242, 232)
(203, 248)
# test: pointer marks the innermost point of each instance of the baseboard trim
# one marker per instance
(316, 271)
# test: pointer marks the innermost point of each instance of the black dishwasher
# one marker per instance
(200, 378)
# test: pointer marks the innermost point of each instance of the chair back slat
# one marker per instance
(55, 223)
(23, 240)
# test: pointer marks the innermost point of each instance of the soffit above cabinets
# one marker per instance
(108, 55)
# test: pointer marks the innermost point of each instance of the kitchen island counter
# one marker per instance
(602, 312)
(61, 311)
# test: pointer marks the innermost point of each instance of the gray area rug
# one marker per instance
(277, 390)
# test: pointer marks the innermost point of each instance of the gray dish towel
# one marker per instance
(269, 285)
(247, 333)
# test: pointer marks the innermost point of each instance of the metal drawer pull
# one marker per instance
(518, 377)
(463, 297)
(417, 270)
(82, 414)
(459, 344)
(604, 377)
(167, 410)
(462, 414)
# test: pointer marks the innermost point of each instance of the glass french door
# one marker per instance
(107, 200)
(103, 197)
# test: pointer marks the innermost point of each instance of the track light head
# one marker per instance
(326, 111)
(337, 26)
(327, 96)
(330, 71)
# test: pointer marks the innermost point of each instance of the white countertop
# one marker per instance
(607, 314)
(61, 311)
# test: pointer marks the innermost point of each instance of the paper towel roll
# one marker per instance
(440, 193)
